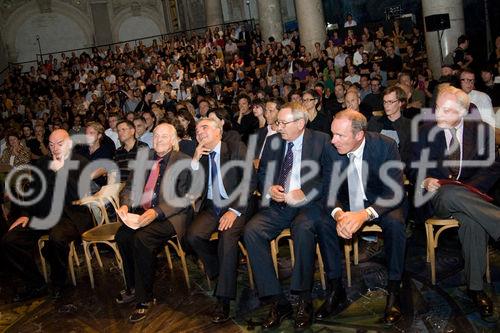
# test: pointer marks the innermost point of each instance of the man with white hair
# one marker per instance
(158, 221)
(461, 157)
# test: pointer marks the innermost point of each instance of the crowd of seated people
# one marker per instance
(228, 96)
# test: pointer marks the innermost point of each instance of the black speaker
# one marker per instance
(437, 22)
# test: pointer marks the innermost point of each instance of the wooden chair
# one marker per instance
(286, 233)
(353, 244)
(432, 243)
(105, 230)
(176, 245)
(72, 259)
(215, 236)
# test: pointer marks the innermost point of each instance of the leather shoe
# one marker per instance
(335, 303)
(30, 293)
(276, 315)
(221, 313)
(392, 313)
(482, 302)
(304, 316)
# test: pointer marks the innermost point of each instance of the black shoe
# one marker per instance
(304, 316)
(335, 303)
(392, 312)
(482, 302)
(126, 296)
(221, 313)
(30, 293)
(369, 250)
(276, 315)
(141, 310)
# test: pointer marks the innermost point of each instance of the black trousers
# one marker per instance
(138, 251)
(267, 225)
(478, 221)
(393, 232)
(220, 259)
(19, 248)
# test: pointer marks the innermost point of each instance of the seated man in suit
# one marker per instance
(364, 195)
(464, 150)
(159, 219)
(218, 211)
(19, 242)
(284, 177)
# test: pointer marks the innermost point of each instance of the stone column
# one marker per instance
(213, 12)
(270, 21)
(455, 9)
(311, 21)
(102, 24)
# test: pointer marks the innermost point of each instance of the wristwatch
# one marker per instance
(371, 216)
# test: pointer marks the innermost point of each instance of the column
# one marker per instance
(102, 24)
(270, 21)
(455, 9)
(311, 21)
(213, 12)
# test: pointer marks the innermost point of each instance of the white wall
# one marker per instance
(138, 27)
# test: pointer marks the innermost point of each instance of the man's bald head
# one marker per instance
(60, 144)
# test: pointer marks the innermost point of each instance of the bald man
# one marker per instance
(19, 243)
(159, 219)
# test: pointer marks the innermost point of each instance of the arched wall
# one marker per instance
(125, 25)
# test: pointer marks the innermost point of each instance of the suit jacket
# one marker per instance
(378, 150)
(163, 206)
(229, 151)
(481, 177)
(315, 147)
(261, 137)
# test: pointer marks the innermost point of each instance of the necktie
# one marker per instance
(286, 168)
(454, 152)
(216, 196)
(147, 196)
(356, 202)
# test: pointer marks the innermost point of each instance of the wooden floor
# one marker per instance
(440, 308)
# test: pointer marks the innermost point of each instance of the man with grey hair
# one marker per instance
(363, 197)
(462, 151)
(296, 197)
(158, 221)
(218, 211)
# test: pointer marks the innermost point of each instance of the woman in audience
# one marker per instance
(15, 154)
(317, 120)
(258, 108)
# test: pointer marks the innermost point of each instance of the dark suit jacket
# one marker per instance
(165, 209)
(261, 137)
(229, 151)
(482, 177)
(378, 150)
(315, 147)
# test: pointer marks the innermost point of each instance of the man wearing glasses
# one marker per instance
(481, 100)
(293, 196)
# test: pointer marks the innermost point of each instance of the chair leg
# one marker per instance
(274, 256)
(182, 256)
(98, 256)
(41, 244)
(75, 257)
(249, 267)
(428, 233)
(70, 262)
(356, 250)
(88, 261)
(347, 253)
(432, 256)
(292, 254)
(169, 258)
(321, 268)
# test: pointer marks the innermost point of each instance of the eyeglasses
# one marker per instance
(391, 102)
(280, 123)
(308, 99)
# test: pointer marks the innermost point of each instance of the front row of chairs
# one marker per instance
(105, 230)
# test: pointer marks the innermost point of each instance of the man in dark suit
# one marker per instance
(462, 148)
(36, 220)
(365, 195)
(284, 176)
(218, 210)
(159, 220)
